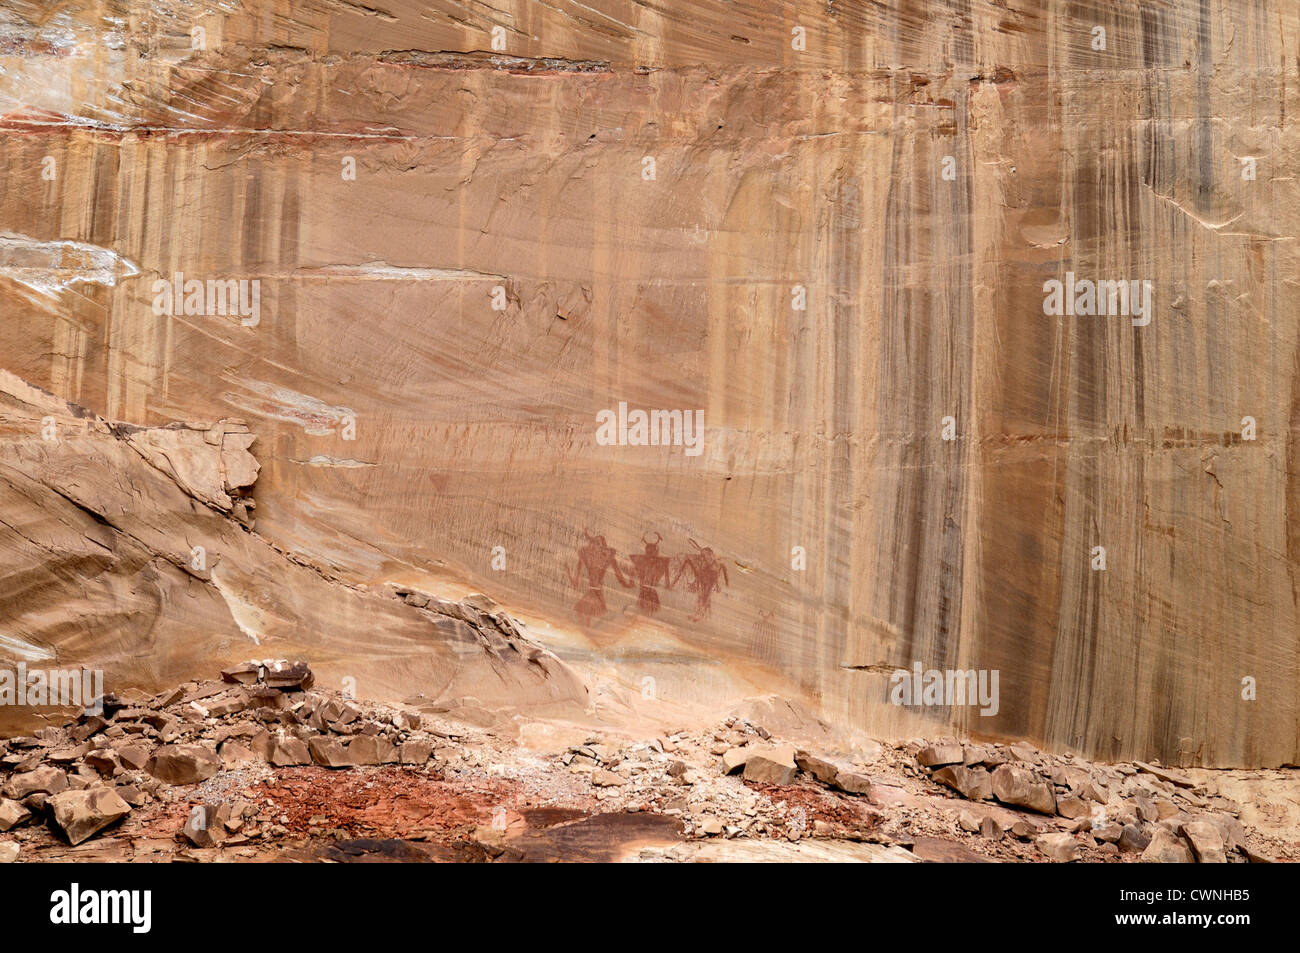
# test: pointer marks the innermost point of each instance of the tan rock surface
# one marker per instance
(177, 583)
(474, 428)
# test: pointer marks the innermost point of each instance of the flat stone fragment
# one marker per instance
(1172, 777)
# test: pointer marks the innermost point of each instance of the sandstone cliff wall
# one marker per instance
(775, 169)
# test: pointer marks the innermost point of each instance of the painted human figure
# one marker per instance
(705, 569)
(765, 636)
(595, 559)
(650, 569)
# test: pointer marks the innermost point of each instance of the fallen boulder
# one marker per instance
(852, 783)
(205, 827)
(233, 754)
(821, 769)
(183, 764)
(228, 706)
(44, 780)
(133, 756)
(773, 764)
(734, 759)
(936, 756)
(370, 749)
(281, 750)
(12, 814)
(1166, 847)
(1072, 808)
(82, 814)
(288, 676)
(1021, 788)
(971, 783)
(1132, 839)
(1206, 841)
(246, 673)
(414, 752)
(1059, 847)
(329, 753)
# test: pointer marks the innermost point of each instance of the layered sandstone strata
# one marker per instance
(391, 179)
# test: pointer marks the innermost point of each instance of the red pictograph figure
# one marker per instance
(705, 569)
(650, 569)
(595, 558)
(765, 636)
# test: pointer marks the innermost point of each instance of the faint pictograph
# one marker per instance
(763, 636)
(595, 558)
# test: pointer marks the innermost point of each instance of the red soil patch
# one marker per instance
(389, 803)
(820, 804)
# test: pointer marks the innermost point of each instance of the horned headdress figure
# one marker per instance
(650, 569)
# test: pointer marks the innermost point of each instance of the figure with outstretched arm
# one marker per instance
(705, 569)
(595, 558)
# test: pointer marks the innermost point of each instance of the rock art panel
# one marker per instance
(946, 336)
